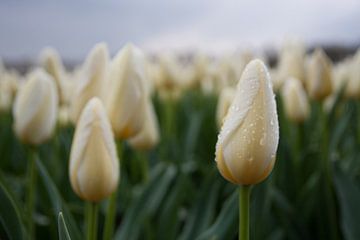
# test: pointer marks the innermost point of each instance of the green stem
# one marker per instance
(92, 210)
(111, 208)
(31, 192)
(328, 178)
(244, 212)
(144, 166)
(110, 217)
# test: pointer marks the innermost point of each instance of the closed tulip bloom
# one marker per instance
(291, 61)
(35, 109)
(353, 85)
(295, 100)
(94, 165)
(50, 60)
(319, 75)
(224, 102)
(126, 94)
(148, 137)
(248, 140)
(91, 81)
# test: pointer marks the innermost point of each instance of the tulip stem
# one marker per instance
(110, 217)
(92, 216)
(244, 212)
(111, 208)
(31, 188)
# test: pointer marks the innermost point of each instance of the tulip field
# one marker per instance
(167, 146)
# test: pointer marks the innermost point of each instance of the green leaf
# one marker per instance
(146, 204)
(63, 231)
(10, 216)
(225, 226)
(349, 198)
(57, 202)
(203, 212)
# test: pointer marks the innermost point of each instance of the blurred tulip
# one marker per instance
(225, 98)
(35, 109)
(148, 137)
(50, 60)
(94, 165)
(248, 140)
(353, 85)
(92, 79)
(126, 94)
(341, 76)
(319, 75)
(295, 100)
(291, 62)
(9, 83)
(63, 116)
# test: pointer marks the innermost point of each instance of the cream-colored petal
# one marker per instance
(94, 165)
(250, 134)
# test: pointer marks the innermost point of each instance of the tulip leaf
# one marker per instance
(203, 212)
(57, 202)
(168, 220)
(225, 226)
(349, 198)
(10, 214)
(63, 231)
(146, 204)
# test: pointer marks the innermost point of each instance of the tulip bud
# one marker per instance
(63, 116)
(35, 109)
(8, 87)
(291, 61)
(126, 94)
(319, 75)
(148, 137)
(295, 100)
(50, 60)
(248, 140)
(353, 85)
(224, 102)
(92, 79)
(94, 165)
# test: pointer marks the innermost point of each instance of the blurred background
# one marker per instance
(73, 27)
(195, 52)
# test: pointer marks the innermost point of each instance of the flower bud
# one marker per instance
(91, 81)
(50, 60)
(224, 102)
(63, 116)
(126, 93)
(148, 137)
(353, 85)
(295, 100)
(248, 140)
(291, 61)
(319, 75)
(35, 109)
(9, 83)
(94, 165)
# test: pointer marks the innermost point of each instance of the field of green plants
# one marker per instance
(169, 185)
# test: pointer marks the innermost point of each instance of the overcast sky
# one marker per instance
(73, 27)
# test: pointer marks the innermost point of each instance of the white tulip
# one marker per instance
(148, 137)
(319, 75)
(35, 109)
(295, 100)
(126, 93)
(248, 140)
(94, 165)
(92, 79)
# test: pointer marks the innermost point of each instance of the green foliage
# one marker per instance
(313, 192)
